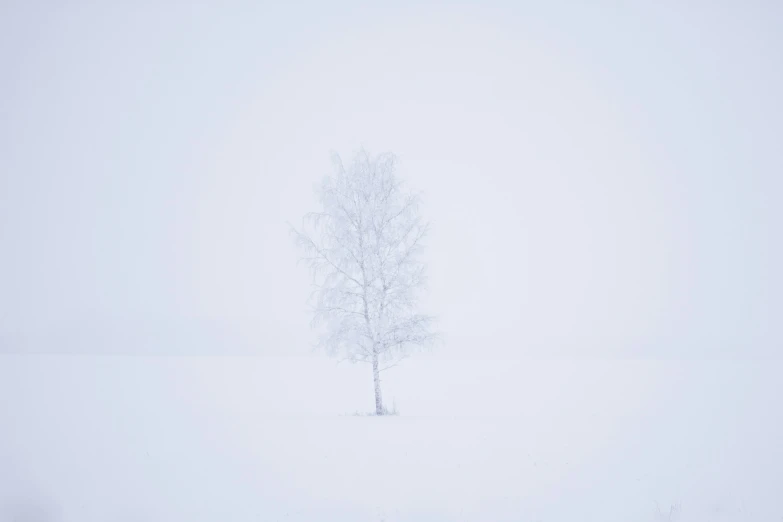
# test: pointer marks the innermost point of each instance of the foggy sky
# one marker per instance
(600, 180)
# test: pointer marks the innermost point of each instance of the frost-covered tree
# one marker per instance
(363, 250)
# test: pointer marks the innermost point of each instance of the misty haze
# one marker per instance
(487, 261)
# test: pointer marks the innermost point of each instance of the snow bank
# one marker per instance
(87, 438)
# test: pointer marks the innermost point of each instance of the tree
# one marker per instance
(363, 251)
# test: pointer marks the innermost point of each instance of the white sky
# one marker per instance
(601, 180)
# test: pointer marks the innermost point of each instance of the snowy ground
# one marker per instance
(239, 438)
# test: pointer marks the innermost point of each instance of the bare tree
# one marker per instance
(671, 516)
(363, 250)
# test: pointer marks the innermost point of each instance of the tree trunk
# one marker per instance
(376, 375)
